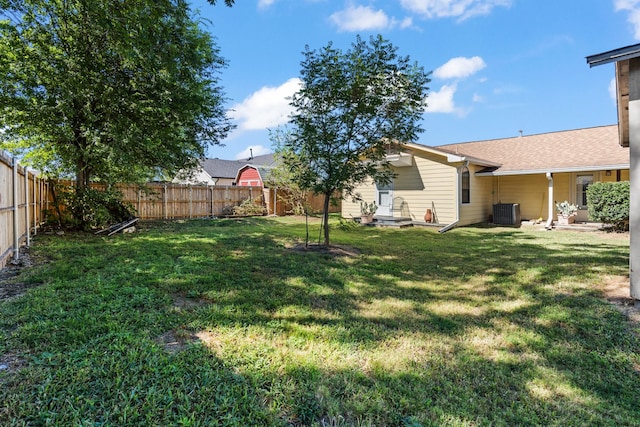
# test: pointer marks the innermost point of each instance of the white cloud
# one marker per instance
(461, 9)
(613, 89)
(362, 18)
(406, 23)
(442, 101)
(633, 7)
(460, 67)
(262, 4)
(359, 18)
(256, 150)
(478, 98)
(266, 108)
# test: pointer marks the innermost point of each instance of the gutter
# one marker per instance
(448, 227)
(455, 223)
(555, 170)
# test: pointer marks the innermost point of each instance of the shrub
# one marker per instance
(92, 208)
(608, 202)
(250, 207)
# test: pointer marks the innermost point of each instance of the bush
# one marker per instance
(250, 207)
(608, 202)
(91, 209)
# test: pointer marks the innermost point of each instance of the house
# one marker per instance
(459, 184)
(222, 172)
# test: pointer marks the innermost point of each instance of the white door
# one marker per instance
(384, 199)
(583, 181)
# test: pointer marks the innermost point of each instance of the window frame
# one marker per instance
(465, 185)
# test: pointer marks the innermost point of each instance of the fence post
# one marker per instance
(164, 201)
(27, 224)
(211, 192)
(35, 205)
(16, 237)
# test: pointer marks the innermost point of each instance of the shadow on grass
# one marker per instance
(470, 327)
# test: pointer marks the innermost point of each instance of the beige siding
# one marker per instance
(624, 176)
(479, 208)
(429, 183)
(530, 191)
(367, 192)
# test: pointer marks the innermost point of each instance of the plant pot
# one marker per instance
(566, 220)
(428, 217)
(366, 219)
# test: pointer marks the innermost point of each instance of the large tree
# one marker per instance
(108, 90)
(352, 107)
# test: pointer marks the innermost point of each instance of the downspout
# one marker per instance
(549, 224)
(458, 201)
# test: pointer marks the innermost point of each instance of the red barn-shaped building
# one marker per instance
(252, 176)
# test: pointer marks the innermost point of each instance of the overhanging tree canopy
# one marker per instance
(351, 107)
(108, 90)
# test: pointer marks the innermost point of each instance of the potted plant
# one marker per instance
(566, 212)
(367, 210)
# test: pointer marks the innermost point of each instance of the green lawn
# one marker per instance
(221, 322)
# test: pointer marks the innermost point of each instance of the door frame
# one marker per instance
(384, 210)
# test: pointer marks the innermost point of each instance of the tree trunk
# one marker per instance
(325, 217)
(82, 177)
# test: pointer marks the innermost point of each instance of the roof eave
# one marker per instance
(452, 158)
(615, 55)
(572, 169)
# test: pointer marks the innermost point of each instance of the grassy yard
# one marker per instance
(225, 322)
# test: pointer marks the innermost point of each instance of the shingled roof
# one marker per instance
(594, 148)
(218, 168)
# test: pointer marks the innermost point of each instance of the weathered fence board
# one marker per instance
(23, 199)
(180, 201)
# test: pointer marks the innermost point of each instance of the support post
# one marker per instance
(634, 159)
(551, 203)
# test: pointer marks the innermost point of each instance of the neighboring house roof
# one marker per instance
(218, 168)
(262, 160)
(594, 148)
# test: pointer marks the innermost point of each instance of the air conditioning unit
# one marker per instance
(506, 214)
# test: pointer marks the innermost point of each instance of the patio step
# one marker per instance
(390, 221)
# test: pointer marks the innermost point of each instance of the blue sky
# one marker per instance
(499, 66)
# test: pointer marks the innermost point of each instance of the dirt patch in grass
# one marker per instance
(185, 303)
(10, 287)
(176, 340)
(10, 362)
(616, 291)
(333, 250)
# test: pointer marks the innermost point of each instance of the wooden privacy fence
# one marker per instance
(181, 201)
(173, 201)
(23, 200)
